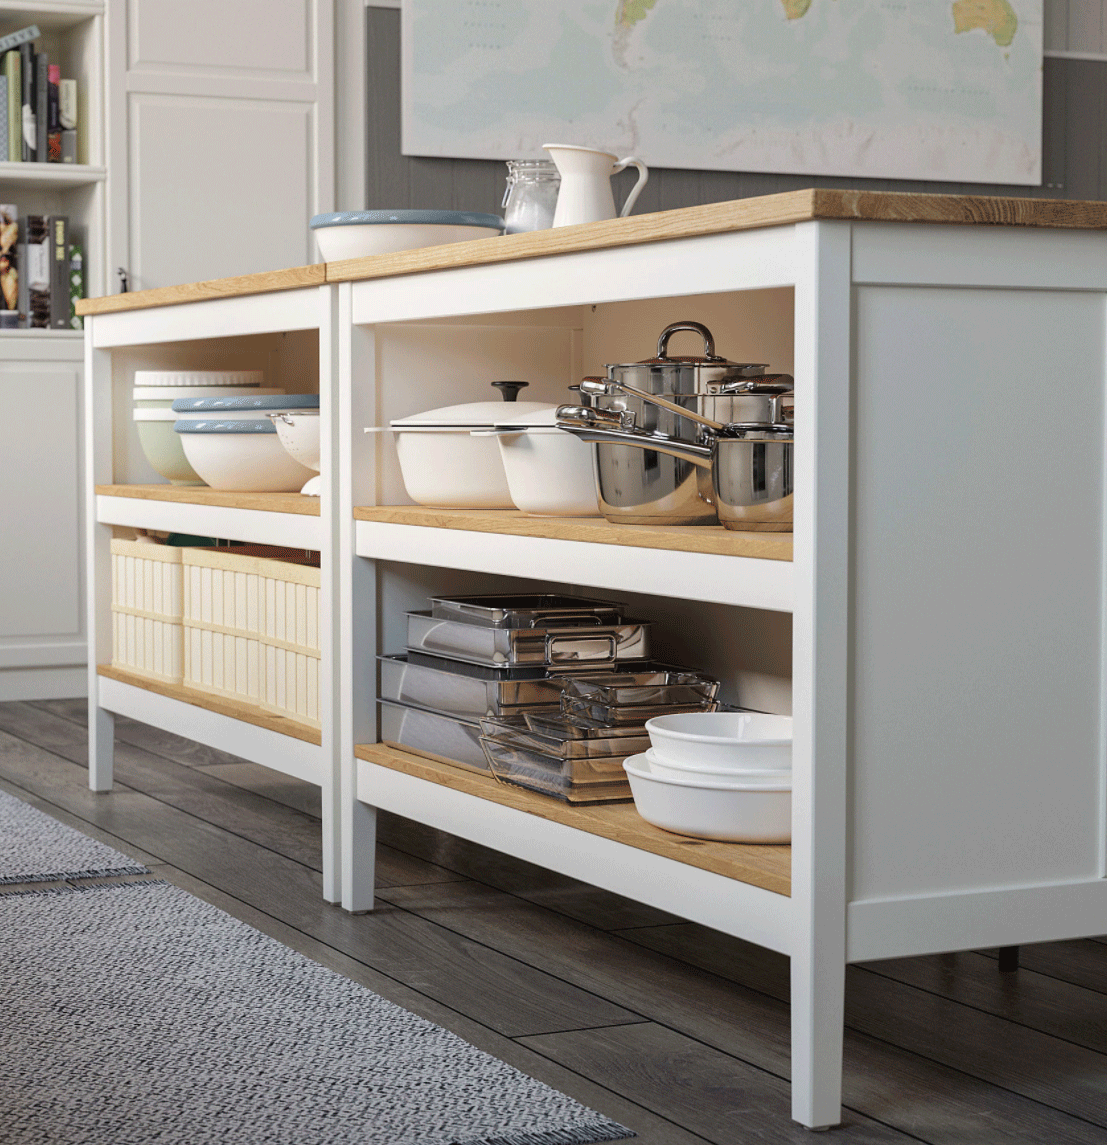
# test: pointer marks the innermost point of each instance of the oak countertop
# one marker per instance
(689, 222)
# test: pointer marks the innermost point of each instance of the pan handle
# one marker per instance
(664, 403)
(587, 429)
(692, 327)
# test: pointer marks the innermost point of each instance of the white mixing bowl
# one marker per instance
(355, 234)
(723, 739)
(241, 455)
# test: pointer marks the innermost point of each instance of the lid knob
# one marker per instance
(693, 327)
(509, 391)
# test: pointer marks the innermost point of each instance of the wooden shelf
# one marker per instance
(235, 709)
(595, 530)
(767, 867)
(217, 498)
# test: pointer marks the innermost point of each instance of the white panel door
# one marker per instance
(222, 135)
(40, 620)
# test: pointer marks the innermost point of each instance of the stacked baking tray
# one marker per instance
(576, 754)
(495, 656)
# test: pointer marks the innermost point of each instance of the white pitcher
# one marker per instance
(585, 194)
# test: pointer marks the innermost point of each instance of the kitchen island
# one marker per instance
(935, 625)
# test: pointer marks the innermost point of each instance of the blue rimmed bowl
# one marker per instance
(354, 234)
(241, 455)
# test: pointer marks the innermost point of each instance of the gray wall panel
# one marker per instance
(1074, 162)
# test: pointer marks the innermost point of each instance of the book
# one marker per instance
(9, 266)
(27, 111)
(15, 101)
(67, 117)
(3, 119)
(53, 116)
(37, 270)
(58, 228)
(76, 285)
(24, 293)
(23, 36)
(42, 90)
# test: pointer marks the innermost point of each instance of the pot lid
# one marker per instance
(419, 218)
(256, 425)
(472, 414)
(545, 417)
(217, 405)
(707, 358)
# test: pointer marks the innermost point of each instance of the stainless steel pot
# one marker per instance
(750, 465)
(642, 485)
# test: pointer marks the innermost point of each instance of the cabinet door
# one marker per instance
(40, 613)
(222, 130)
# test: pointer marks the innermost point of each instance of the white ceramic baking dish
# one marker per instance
(355, 234)
(751, 776)
(729, 812)
(549, 472)
(723, 739)
(241, 455)
(448, 466)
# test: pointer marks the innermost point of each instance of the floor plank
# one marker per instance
(1082, 961)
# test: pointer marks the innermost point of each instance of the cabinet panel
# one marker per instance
(267, 37)
(978, 591)
(39, 582)
(197, 165)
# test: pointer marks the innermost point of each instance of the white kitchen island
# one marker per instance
(935, 624)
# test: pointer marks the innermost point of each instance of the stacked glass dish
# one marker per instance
(499, 657)
(576, 754)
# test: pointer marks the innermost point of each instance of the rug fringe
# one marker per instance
(583, 1135)
(102, 873)
(86, 889)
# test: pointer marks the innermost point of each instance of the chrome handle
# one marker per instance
(691, 327)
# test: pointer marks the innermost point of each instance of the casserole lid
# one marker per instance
(545, 417)
(219, 404)
(255, 425)
(416, 217)
(471, 415)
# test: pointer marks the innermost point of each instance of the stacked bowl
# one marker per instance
(717, 775)
(154, 394)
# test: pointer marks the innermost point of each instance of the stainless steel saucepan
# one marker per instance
(750, 464)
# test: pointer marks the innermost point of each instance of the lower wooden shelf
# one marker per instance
(767, 867)
(235, 709)
(219, 498)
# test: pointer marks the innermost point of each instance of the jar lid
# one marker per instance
(471, 415)
(218, 404)
(419, 218)
(255, 425)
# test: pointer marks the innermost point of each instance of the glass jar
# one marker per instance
(531, 195)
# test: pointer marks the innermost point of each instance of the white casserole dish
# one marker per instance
(445, 465)
(729, 812)
(549, 472)
(242, 455)
(723, 739)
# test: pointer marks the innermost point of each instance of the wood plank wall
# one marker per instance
(1074, 157)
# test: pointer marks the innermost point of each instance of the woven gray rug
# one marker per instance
(135, 1014)
(35, 848)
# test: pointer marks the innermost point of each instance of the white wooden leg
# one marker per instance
(818, 1013)
(101, 743)
(359, 878)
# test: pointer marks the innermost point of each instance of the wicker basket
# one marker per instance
(147, 608)
(251, 629)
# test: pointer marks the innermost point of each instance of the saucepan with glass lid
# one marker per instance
(749, 465)
(673, 398)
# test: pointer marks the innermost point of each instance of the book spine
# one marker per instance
(42, 92)
(53, 117)
(3, 119)
(24, 289)
(9, 266)
(59, 272)
(38, 272)
(67, 117)
(15, 101)
(27, 73)
(76, 285)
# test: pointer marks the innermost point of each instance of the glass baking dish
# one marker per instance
(438, 737)
(554, 647)
(562, 740)
(572, 781)
(469, 691)
(632, 715)
(525, 610)
(662, 685)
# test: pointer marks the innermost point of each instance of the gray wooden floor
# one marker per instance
(674, 1030)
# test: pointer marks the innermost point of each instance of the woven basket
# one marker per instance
(147, 608)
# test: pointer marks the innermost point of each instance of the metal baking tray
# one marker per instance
(559, 739)
(469, 691)
(556, 647)
(662, 685)
(525, 610)
(438, 737)
(632, 715)
(606, 782)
